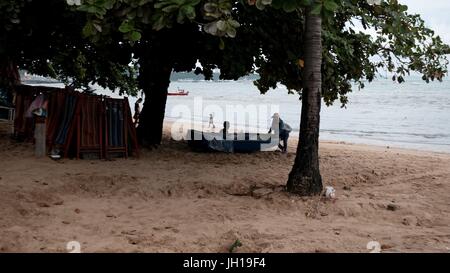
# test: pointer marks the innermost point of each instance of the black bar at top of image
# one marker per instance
(223, 262)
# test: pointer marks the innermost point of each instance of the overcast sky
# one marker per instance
(436, 14)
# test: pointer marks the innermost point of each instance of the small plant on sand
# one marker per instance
(235, 245)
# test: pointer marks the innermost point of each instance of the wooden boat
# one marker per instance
(231, 143)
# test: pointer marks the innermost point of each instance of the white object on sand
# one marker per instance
(330, 192)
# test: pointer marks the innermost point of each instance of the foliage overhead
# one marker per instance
(97, 40)
(44, 38)
(360, 38)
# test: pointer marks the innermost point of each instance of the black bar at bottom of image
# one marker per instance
(221, 262)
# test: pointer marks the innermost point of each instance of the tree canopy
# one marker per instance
(394, 40)
(260, 36)
(45, 38)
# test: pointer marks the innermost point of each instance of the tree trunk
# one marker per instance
(9, 73)
(305, 178)
(155, 80)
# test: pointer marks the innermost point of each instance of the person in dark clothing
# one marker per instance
(282, 129)
(224, 131)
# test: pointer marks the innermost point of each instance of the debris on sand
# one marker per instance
(392, 207)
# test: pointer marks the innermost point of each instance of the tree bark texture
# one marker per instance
(304, 178)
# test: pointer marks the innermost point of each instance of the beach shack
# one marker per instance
(63, 122)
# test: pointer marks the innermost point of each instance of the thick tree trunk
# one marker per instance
(9, 73)
(155, 80)
(305, 178)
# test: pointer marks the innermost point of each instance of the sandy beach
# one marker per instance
(175, 200)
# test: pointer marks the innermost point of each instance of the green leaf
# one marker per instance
(109, 4)
(88, 30)
(126, 27)
(330, 5)
(317, 9)
(221, 25)
(189, 11)
(135, 36)
(170, 8)
(234, 23)
(231, 32)
(221, 44)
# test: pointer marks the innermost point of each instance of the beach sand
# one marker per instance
(175, 200)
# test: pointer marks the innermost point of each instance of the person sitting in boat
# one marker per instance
(282, 129)
(224, 131)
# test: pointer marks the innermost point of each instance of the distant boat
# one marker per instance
(179, 92)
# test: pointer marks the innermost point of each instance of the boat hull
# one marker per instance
(231, 143)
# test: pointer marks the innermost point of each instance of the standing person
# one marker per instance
(211, 121)
(137, 111)
(282, 129)
(224, 131)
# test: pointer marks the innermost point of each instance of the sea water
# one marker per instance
(412, 115)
